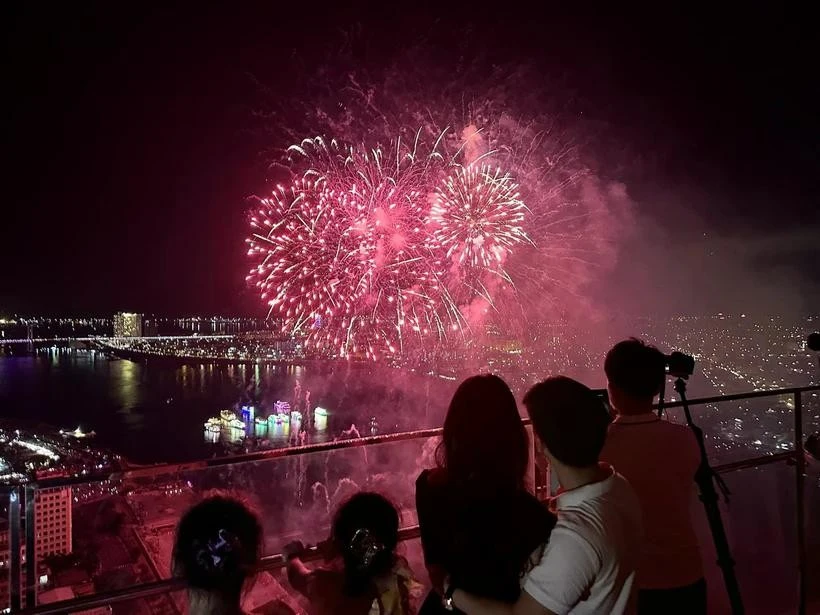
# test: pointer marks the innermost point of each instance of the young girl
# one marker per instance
(365, 576)
(216, 551)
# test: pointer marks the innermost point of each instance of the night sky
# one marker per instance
(133, 141)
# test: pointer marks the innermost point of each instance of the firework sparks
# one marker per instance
(478, 214)
(342, 255)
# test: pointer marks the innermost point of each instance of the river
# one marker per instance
(154, 412)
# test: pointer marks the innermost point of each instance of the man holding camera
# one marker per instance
(659, 459)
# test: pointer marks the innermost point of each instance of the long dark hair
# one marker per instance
(365, 533)
(484, 446)
(217, 546)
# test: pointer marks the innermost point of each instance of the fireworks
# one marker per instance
(367, 253)
(519, 208)
(439, 235)
(478, 213)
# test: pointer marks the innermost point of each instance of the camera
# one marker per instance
(679, 365)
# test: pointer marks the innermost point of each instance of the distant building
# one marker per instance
(127, 324)
(52, 536)
(52, 521)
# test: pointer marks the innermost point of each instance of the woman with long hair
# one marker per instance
(479, 524)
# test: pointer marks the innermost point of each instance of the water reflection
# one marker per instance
(129, 390)
(156, 412)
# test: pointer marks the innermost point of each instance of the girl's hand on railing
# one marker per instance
(293, 549)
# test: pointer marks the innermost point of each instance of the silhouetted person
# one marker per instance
(478, 522)
(216, 551)
(589, 563)
(365, 574)
(659, 459)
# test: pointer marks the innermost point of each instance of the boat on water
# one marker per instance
(320, 418)
(213, 425)
(78, 433)
(235, 423)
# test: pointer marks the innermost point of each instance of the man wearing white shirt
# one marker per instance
(659, 459)
(588, 565)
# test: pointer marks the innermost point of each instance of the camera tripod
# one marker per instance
(706, 477)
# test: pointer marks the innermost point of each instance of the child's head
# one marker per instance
(365, 532)
(217, 546)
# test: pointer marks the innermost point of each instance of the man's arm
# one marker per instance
(560, 581)
(473, 605)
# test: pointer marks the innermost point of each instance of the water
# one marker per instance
(154, 413)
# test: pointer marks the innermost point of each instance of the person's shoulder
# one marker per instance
(573, 534)
(623, 496)
(670, 427)
(680, 434)
(431, 478)
(620, 487)
(431, 486)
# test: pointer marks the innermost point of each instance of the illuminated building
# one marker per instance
(127, 324)
(52, 535)
(52, 521)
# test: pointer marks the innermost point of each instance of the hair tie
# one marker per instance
(364, 547)
(212, 555)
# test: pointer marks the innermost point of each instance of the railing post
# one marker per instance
(31, 552)
(14, 550)
(800, 505)
(532, 469)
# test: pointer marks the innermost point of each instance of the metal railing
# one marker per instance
(795, 456)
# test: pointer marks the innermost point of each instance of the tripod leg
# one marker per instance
(705, 479)
(709, 497)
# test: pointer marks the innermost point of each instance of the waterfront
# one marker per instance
(153, 409)
(152, 413)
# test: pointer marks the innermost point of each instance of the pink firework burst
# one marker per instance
(478, 216)
(341, 254)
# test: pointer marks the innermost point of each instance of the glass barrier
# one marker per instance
(100, 536)
(5, 553)
(811, 411)
(812, 502)
(107, 535)
(744, 428)
(270, 592)
(760, 522)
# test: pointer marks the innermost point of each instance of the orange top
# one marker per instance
(659, 459)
